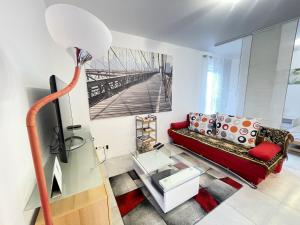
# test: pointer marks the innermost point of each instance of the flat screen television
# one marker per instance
(64, 119)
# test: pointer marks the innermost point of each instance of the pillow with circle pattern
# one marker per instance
(240, 130)
(202, 123)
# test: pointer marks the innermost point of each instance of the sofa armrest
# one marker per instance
(280, 137)
(180, 125)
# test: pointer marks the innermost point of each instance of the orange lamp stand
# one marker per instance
(36, 146)
(70, 27)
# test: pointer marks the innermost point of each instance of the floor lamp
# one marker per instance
(83, 35)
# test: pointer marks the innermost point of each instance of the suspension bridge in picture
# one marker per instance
(129, 82)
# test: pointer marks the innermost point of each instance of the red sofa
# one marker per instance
(234, 157)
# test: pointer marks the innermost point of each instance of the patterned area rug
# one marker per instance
(138, 207)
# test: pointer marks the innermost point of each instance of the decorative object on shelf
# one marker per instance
(146, 132)
(82, 34)
(129, 82)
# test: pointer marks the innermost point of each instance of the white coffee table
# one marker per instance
(172, 189)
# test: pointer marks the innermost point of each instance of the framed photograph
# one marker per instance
(129, 82)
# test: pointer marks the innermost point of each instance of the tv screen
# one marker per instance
(64, 118)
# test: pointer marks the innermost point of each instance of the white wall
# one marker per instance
(119, 133)
(28, 57)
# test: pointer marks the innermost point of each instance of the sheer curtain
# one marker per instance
(212, 85)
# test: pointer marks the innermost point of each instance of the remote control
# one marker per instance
(157, 144)
(159, 147)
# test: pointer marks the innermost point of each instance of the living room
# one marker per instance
(146, 131)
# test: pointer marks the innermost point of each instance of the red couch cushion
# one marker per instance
(265, 151)
(180, 125)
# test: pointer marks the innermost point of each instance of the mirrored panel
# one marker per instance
(291, 112)
(269, 67)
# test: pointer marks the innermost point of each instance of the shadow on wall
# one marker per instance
(46, 119)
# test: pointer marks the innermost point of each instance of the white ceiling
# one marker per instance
(197, 24)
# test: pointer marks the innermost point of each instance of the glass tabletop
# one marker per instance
(153, 160)
(166, 158)
(166, 168)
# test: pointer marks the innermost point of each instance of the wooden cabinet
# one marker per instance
(86, 208)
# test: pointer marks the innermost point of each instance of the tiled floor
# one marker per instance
(275, 202)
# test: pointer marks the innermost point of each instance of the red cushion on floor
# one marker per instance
(265, 151)
(180, 125)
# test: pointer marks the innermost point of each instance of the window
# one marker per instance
(210, 95)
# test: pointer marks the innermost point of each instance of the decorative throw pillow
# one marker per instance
(240, 130)
(265, 151)
(202, 123)
(194, 122)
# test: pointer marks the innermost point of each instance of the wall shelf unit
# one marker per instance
(146, 132)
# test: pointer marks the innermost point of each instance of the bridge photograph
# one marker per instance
(129, 82)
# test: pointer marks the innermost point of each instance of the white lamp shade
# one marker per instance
(70, 27)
